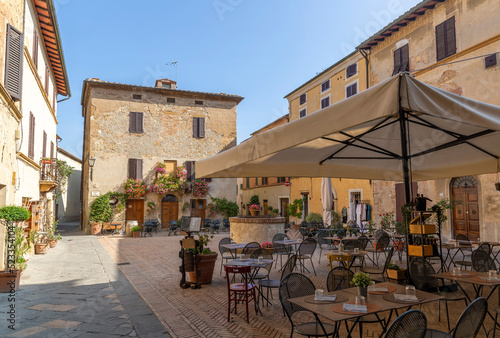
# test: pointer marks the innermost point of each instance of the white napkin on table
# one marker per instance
(378, 288)
(326, 298)
(405, 298)
(355, 308)
(491, 279)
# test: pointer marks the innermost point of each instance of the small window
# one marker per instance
(303, 98)
(352, 70)
(401, 60)
(302, 113)
(264, 181)
(166, 85)
(135, 168)
(51, 149)
(248, 182)
(325, 102)
(256, 181)
(198, 127)
(198, 102)
(325, 85)
(14, 62)
(445, 39)
(190, 172)
(490, 61)
(170, 100)
(281, 180)
(136, 122)
(136, 97)
(351, 90)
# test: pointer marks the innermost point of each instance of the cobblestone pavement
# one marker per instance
(152, 267)
(76, 290)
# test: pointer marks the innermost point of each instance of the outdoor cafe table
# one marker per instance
(379, 300)
(346, 256)
(234, 247)
(288, 244)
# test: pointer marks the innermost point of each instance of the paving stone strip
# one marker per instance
(76, 290)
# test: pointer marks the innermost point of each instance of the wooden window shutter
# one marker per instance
(195, 127)
(47, 76)
(405, 58)
(201, 127)
(451, 44)
(51, 149)
(54, 98)
(44, 144)
(14, 62)
(31, 140)
(139, 122)
(132, 122)
(354, 89)
(397, 61)
(138, 170)
(190, 175)
(132, 168)
(440, 41)
(35, 48)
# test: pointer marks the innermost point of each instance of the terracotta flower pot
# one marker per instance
(9, 281)
(95, 228)
(41, 248)
(254, 212)
(136, 234)
(206, 266)
(52, 244)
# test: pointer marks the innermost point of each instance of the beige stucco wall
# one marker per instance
(69, 206)
(167, 137)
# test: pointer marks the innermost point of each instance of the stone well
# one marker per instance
(256, 229)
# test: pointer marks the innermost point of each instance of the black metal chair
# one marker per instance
(280, 250)
(250, 247)
(486, 248)
(465, 249)
(225, 253)
(382, 245)
(215, 226)
(274, 284)
(482, 261)
(207, 224)
(156, 225)
(306, 251)
(468, 324)
(411, 324)
(226, 225)
(339, 278)
(383, 271)
(324, 244)
(297, 285)
(421, 272)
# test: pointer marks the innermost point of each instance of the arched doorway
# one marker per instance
(169, 210)
(464, 192)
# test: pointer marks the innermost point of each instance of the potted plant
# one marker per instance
(136, 231)
(254, 209)
(100, 211)
(207, 260)
(53, 236)
(361, 280)
(47, 160)
(394, 271)
(268, 245)
(41, 245)
(16, 248)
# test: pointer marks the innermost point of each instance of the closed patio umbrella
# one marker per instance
(326, 200)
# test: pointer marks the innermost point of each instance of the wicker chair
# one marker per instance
(339, 278)
(306, 251)
(482, 261)
(469, 323)
(280, 250)
(466, 249)
(274, 284)
(324, 244)
(297, 285)
(421, 274)
(411, 324)
(225, 253)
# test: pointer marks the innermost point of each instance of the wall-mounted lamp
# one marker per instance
(91, 165)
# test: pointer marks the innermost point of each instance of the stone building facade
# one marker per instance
(341, 80)
(174, 127)
(452, 45)
(272, 191)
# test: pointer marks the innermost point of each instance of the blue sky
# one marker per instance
(258, 49)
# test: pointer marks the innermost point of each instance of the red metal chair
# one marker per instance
(239, 292)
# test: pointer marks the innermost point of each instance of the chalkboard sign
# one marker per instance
(185, 221)
(195, 224)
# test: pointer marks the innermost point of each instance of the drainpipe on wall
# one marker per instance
(365, 56)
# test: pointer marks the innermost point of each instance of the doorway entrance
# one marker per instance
(169, 210)
(464, 192)
(198, 208)
(135, 211)
(283, 205)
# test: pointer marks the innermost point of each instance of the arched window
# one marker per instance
(169, 198)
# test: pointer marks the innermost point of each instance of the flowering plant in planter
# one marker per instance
(135, 188)
(267, 245)
(173, 182)
(150, 207)
(198, 188)
(161, 168)
(254, 207)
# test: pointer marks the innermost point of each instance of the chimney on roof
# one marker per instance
(165, 83)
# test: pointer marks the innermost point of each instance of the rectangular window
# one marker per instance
(248, 182)
(302, 113)
(401, 60)
(190, 175)
(35, 48)
(135, 168)
(198, 102)
(264, 181)
(490, 61)
(44, 144)
(305, 201)
(303, 98)
(51, 149)
(325, 102)
(47, 76)
(170, 100)
(352, 70)
(136, 97)
(31, 139)
(351, 90)
(136, 122)
(198, 127)
(445, 39)
(14, 62)
(281, 180)
(325, 85)
(256, 181)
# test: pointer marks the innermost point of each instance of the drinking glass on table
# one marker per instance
(318, 294)
(456, 270)
(360, 300)
(261, 259)
(410, 290)
(492, 274)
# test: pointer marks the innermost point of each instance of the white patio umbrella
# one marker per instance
(327, 200)
(399, 130)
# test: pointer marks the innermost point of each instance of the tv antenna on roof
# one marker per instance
(173, 63)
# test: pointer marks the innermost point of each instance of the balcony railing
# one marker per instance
(48, 172)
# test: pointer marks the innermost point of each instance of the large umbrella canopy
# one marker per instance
(326, 200)
(399, 129)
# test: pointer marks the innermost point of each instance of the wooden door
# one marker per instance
(135, 211)
(266, 204)
(283, 205)
(198, 208)
(466, 212)
(169, 212)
